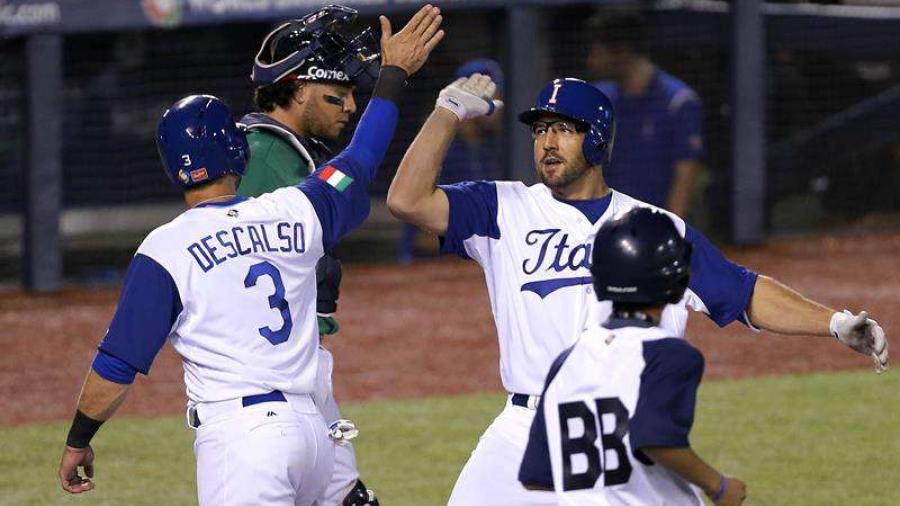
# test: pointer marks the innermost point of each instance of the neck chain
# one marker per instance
(230, 195)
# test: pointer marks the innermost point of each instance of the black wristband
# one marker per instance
(390, 83)
(83, 429)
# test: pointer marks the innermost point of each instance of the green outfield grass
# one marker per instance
(824, 439)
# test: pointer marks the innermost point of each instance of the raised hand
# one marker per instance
(470, 97)
(410, 47)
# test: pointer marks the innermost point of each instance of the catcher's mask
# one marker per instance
(319, 47)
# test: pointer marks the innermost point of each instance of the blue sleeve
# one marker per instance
(724, 286)
(687, 143)
(668, 393)
(147, 309)
(536, 469)
(473, 211)
(113, 369)
(339, 190)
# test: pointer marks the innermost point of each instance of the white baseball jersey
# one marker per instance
(233, 285)
(622, 386)
(536, 253)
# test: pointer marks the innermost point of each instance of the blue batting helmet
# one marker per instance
(199, 142)
(580, 101)
(640, 258)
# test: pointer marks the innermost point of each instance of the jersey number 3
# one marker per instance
(609, 409)
(276, 301)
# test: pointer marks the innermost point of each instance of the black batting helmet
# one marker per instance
(319, 47)
(640, 258)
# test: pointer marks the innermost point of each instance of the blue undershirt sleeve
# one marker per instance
(113, 369)
(473, 211)
(665, 408)
(148, 307)
(339, 189)
(724, 286)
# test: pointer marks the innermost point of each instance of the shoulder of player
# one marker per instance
(672, 354)
(622, 203)
(158, 243)
(267, 147)
(676, 91)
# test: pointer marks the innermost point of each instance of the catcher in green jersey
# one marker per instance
(305, 74)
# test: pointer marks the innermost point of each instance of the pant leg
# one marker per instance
(491, 475)
(264, 454)
(345, 471)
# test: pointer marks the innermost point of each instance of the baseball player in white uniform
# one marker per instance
(613, 421)
(231, 283)
(534, 244)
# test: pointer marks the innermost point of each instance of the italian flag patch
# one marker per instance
(335, 178)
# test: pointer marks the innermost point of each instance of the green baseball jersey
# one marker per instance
(273, 164)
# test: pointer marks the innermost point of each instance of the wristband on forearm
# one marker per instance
(719, 493)
(83, 429)
(390, 83)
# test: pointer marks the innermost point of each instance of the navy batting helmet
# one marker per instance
(580, 101)
(319, 48)
(640, 258)
(199, 142)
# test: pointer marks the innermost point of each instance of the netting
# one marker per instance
(12, 145)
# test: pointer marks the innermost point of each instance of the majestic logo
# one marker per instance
(553, 253)
(332, 75)
(164, 13)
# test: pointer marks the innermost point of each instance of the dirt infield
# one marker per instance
(427, 329)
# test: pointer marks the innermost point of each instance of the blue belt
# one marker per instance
(250, 400)
(273, 396)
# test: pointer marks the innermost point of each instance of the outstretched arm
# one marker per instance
(414, 196)
(778, 308)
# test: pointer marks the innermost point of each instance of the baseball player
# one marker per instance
(534, 244)
(613, 421)
(231, 282)
(305, 74)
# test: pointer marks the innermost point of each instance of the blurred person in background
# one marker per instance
(473, 155)
(305, 73)
(659, 141)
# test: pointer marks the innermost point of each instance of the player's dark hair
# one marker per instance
(621, 29)
(280, 94)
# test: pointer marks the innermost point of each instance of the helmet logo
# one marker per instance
(335, 75)
(184, 177)
(199, 175)
(556, 87)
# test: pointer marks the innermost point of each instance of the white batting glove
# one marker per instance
(863, 335)
(342, 431)
(470, 97)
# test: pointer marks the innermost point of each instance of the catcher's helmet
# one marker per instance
(640, 258)
(199, 142)
(580, 101)
(319, 48)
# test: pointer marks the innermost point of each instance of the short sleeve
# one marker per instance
(147, 310)
(687, 121)
(665, 408)
(724, 286)
(341, 203)
(473, 211)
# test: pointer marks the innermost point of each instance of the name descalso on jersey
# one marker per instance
(536, 254)
(621, 387)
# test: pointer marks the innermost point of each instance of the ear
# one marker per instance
(302, 93)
